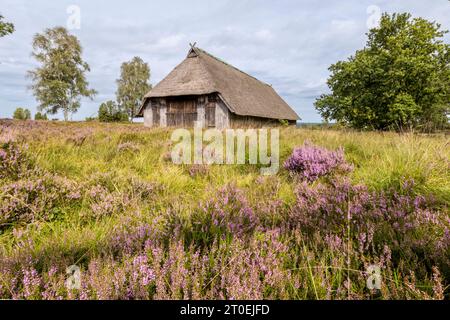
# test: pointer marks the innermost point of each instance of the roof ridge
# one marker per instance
(230, 65)
(201, 73)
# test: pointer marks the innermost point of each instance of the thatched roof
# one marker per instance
(201, 73)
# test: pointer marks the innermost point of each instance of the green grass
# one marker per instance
(381, 161)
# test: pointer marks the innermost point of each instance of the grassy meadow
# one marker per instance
(107, 198)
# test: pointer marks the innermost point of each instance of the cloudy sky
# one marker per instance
(289, 44)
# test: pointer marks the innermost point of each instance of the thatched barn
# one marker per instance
(205, 89)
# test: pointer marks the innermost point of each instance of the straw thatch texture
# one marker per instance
(201, 73)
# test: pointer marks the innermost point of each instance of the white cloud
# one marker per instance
(264, 35)
(343, 25)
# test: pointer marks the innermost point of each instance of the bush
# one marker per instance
(110, 112)
(226, 215)
(13, 162)
(40, 116)
(311, 162)
(35, 198)
(412, 227)
(22, 114)
(387, 84)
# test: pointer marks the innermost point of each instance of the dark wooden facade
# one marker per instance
(208, 110)
(181, 112)
(184, 111)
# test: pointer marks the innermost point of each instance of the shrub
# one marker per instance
(142, 190)
(13, 162)
(22, 114)
(131, 235)
(227, 214)
(411, 226)
(105, 203)
(35, 198)
(110, 112)
(40, 116)
(311, 162)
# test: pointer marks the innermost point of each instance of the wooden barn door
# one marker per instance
(210, 112)
(155, 115)
(210, 115)
(181, 112)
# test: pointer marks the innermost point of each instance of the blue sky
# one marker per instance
(289, 44)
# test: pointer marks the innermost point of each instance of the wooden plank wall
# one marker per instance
(210, 112)
(181, 112)
(251, 122)
(148, 114)
(156, 113)
(207, 109)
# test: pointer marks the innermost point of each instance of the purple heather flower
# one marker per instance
(311, 162)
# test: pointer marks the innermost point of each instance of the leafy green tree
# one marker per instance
(5, 27)
(89, 119)
(60, 81)
(400, 80)
(27, 114)
(22, 114)
(133, 84)
(104, 111)
(40, 116)
(109, 111)
(19, 114)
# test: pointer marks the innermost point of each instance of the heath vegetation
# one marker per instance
(104, 197)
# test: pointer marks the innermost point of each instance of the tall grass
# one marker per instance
(164, 230)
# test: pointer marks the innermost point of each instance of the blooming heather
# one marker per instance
(35, 198)
(410, 225)
(311, 162)
(13, 162)
(228, 213)
(128, 146)
(137, 233)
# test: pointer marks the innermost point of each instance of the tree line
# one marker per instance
(25, 114)
(399, 81)
(59, 82)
